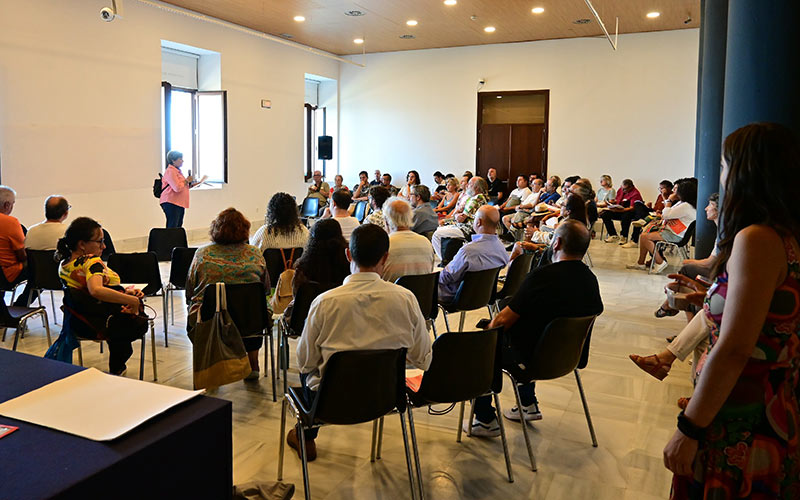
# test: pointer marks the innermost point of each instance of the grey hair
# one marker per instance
(7, 195)
(480, 185)
(397, 213)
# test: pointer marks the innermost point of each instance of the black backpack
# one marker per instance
(157, 186)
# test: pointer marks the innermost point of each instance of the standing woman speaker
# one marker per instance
(175, 187)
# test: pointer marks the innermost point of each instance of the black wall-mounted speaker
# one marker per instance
(325, 147)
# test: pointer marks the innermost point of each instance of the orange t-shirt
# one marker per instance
(11, 240)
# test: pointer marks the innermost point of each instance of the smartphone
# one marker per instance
(483, 324)
(704, 280)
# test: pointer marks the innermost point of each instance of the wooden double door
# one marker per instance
(513, 150)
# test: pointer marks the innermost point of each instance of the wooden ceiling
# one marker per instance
(326, 26)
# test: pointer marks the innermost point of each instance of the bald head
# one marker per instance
(486, 220)
(397, 213)
(56, 208)
(570, 241)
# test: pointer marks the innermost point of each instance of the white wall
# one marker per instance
(80, 112)
(629, 113)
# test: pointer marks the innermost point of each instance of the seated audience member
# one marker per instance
(387, 183)
(550, 202)
(537, 240)
(319, 189)
(449, 200)
(485, 251)
(467, 174)
(622, 210)
(515, 221)
(605, 194)
(13, 258)
(282, 227)
(385, 315)
(377, 181)
(565, 288)
(438, 178)
(462, 198)
(496, 186)
(551, 194)
(583, 188)
(449, 176)
(409, 252)
(461, 226)
(45, 235)
(231, 260)
(111, 312)
(676, 217)
(377, 197)
(337, 184)
(521, 192)
(650, 212)
(339, 213)
(412, 179)
(361, 192)
(425, 219)
(437, 195)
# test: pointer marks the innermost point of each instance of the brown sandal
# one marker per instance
(683, 403)
(652, 365)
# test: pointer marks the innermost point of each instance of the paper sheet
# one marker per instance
(94, 405)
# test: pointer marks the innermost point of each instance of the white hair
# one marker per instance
(7, 195)
(397, 213)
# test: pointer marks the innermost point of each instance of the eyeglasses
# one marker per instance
(101, 241)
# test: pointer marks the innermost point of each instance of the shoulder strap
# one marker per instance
(287, 263)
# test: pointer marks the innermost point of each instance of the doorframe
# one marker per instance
(484, 94)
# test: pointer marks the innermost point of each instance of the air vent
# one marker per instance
(354, 13)
(582, 21)
(407, 37)
(287, 35)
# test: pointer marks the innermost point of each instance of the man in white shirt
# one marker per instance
(341, 202)
(524, 209)
(516, 196)
(409, 252)
(364, 313)
(45, 235)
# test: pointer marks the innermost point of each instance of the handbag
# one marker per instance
(218, 354)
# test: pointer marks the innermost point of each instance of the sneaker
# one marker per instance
(639, 223)
(623, 241)
(638, 267)
(612, 239)
(479, 429)
(529, 413)
(630, 244)
(660, 267)
(253, 376)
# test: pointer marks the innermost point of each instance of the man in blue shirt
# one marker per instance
(486, 251)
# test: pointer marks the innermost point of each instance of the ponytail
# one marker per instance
(81, 229)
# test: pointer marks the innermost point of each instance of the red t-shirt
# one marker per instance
(11, 240)
(627, 199)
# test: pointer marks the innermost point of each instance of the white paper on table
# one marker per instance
(94, 405)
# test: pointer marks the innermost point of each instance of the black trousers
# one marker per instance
(625, 219)
(640, 211)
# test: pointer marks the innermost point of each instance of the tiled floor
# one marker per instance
(633, 413)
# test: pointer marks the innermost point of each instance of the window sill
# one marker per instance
(209, 186)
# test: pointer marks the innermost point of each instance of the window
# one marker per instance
(193, 121)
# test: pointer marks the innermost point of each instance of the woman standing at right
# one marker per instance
(738, 437)
(175, 187)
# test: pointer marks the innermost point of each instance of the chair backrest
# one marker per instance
(140, 267)
(450, 247)
(163, 240)
(559, 349)
(274, 260)
(179, 268)
(477, 289)
(517, 271)
(360, 386)
(462, 368)
(109, 246)
(306, 294)
(688, 235)
(361, 210)
(310, 207)
(43, 270)
(247, 306)
(426, 289)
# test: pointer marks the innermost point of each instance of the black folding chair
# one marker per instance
(17, 317)
(426, 289)
(43, 275)
(142, 268)
(562, 348)
(274, 257)
(163, 240)
(178, 273)
(247, 306)
(517, 271)
(450, 247)
(109, 250)
(309, 210)
(294, 327)
(361, 210)
(477, 290)
(682, 246)
(357, 387)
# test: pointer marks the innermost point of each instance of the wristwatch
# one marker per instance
(689, 429)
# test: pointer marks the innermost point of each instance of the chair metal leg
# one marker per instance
(153, 348)
(503, 437)
(272, 366)
(164, 314)
(17, 333)
(282, 439)
(53, 305)
(303, 459)
(80, 354)
(408, 455)
(380, 439)
(586, 409)
(471, 417)
(415, 447)
(141, 361)
(446, 323)
(3, 339)
(374, 440)
(524, 422)
(461, 321)
(460, 421)
(47, 327)
(101, 347)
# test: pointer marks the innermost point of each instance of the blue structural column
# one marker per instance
(710, 101)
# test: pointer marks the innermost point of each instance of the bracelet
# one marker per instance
(689, 429)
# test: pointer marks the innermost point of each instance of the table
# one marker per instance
(186, 452)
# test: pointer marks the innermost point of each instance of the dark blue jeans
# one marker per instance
(174, 214)
(485, 412)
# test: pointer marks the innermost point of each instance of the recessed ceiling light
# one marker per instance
(299, 19)
(358, 40)
(450, 2)
(537, 10)
(653, 15)
(407, 37)
(499, 97)
(489, 29)
(353, 13)
(411, 22)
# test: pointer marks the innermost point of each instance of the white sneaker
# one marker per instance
(479, 429)
(529, 413)
(639, 223)
(638, 267)
(658, 268)
(623, 241)
(630, 244)
(612, 239)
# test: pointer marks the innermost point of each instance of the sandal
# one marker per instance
(683, 403)
(663, 312)
(670, 339)
(652, 365)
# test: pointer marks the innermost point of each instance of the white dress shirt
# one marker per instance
(364, 313)
(409, 253)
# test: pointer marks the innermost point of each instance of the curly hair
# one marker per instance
(282, 215)
(230, 227)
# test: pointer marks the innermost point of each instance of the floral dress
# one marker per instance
(751, 448)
